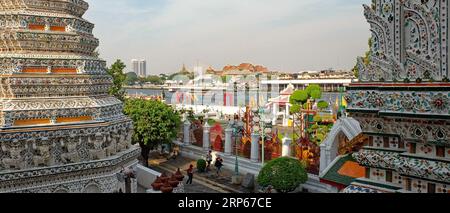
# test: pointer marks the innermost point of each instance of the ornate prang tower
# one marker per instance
(403, 98)
(60, 131)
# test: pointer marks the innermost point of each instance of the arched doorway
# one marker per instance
(345, 137)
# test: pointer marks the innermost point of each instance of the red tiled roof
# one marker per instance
(352, 169)
(246, 67)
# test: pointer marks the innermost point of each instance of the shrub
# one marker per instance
(201, 165)
(323, 105)
(299, 96)
(316, 94)
(283, 174)
(311, 88)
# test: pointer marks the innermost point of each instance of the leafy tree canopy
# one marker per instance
(131, 78)
(116, 72)
(295, 109)
(323, 105)
(153, 79)
(299, 97)
(311, 88)
(155, 123)
(316, 94)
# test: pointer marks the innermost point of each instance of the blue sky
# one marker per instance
(284, 35)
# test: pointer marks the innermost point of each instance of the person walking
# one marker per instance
(218, 164)
(190, 173)
(209, 160)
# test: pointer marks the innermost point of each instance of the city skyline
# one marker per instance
(291, 35)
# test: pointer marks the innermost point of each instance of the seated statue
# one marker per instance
(43, 157)
(16, 160)
(124, 143)
(112, 148)
(72, 155)
(97, 153)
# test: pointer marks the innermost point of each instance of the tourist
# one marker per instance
(208, 160)
(174, 154)
(190, 173)
(218, 164)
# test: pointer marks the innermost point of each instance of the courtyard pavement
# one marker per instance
(203, 182)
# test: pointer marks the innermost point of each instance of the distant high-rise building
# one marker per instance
(139, 67)
(143, 68)
(135, 64)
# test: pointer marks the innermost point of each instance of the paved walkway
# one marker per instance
(203, 182)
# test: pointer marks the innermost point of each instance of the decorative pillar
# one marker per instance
(254, 157)
(187, 133)
(206, 140)
(286, 119)
(287, 141)
(276, 110)
(228, 145)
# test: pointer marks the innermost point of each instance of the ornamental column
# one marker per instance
(254, 157)
(288, 113)
(276, 110)
(206, 140)
(228, 137)
(187, 133)
(287, 141)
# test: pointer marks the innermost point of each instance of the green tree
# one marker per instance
(163, 77)
(311, 89)
(116, 71)
(283, 174)
(154, 79)
(316, 94)
(299, 97)
(131, 79)
(155, 123)
(322, 105)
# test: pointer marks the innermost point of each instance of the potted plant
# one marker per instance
(164, 177)
(179, 175)
(157, 184)
(174, 181)
(166, 188)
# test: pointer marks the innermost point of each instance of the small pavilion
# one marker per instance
(280, 105)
